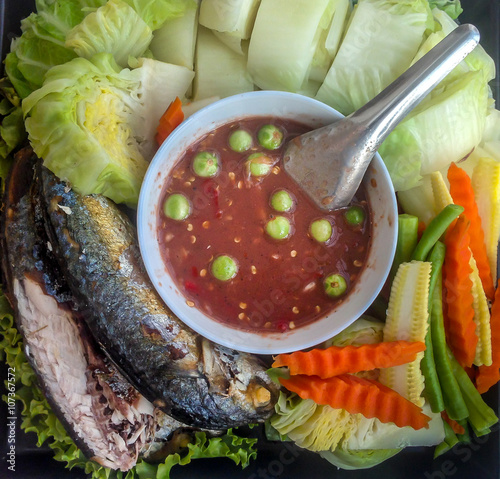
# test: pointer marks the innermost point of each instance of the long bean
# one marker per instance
(435, 230)
(433, 390)
(407, 240)
(481, 416)
(450, 439)
(454, 402)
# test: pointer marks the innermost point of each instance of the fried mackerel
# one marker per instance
(107, 418)
(190, 378)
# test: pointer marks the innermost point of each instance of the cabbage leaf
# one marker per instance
(358, 459)
(41, 44)
(90, 120)
(114, 28)
(381, 40)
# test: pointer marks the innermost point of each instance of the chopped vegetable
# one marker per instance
(453, 400)
(114, 28)
(481, 417)
(463, 194)
(481, 318)
(349, 359)
(171, 119)
(407, 240)
(442, 196)
(175, 41)
(367, 61)
(433, 392)
(486, 184)
(407, 319)
(460, 326)
(488, 376)
(283, 42)
(435, 230)
(455, 426)
(220, 71)
(359, 395)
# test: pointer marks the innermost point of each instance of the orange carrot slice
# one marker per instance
(358, 395)
(463, 194)
(461, 328)
(172, 118)
(488, 376)
(457, 428)
(336, 360)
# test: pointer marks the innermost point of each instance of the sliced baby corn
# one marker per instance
(440, 191)
(407, 319)
(486, 184)
(481, 318)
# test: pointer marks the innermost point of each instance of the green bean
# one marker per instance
(435, 230)
(481, 416)
(436, 258)
(465, 437)
(270, 137)
(240, 140)
(453, 400)
(450, 440)
(281, 200)
(321, 230)
(354, 215)
(259, 164)
(224, 268)
(177, 207)
(278, 228)
(407, 240)
(433, 390)
(335, 285)
(205, 164)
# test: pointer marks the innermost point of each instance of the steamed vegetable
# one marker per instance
(90, 121)
(460, 326)
(463, 194)
(407, 318)
(486, 184)
(283, 41)
(349, 359)
(359, 395)
(114, 28)
(220, 71)
(369, 60)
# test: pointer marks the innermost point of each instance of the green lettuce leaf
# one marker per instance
(37, 417)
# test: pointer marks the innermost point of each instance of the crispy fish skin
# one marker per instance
(193, 380)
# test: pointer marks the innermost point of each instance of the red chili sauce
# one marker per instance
(279, 283)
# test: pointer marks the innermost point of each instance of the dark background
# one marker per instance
(480, 459)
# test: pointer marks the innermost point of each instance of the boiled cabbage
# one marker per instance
(114, 28)
(88, 123)
(379, 45)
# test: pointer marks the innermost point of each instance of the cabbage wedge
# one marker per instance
(89, 121)
(381, 40)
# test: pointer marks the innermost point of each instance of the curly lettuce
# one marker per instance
(37, 417)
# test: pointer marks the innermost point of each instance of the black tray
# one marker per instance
(480, 459)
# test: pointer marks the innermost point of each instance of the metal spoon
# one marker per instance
(330, 162)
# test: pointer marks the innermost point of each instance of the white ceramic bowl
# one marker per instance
(381, 198)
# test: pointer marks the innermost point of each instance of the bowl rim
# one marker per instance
(247, 341)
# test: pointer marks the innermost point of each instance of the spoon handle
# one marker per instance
(381, 115)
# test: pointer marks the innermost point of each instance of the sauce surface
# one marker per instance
(279, 283)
